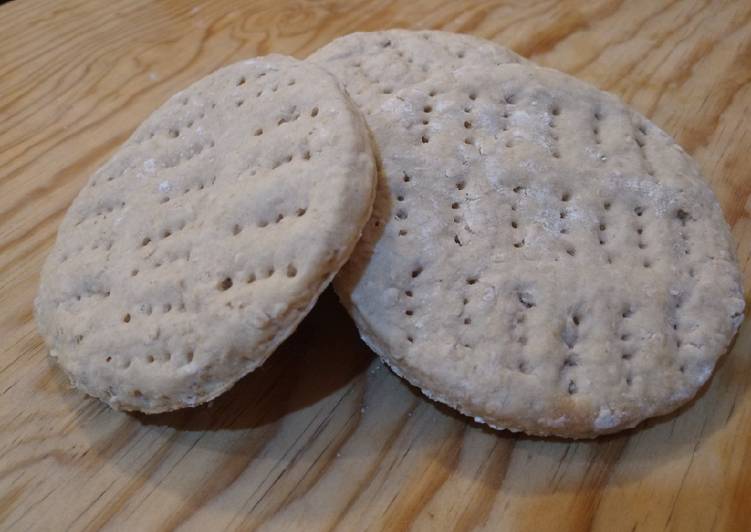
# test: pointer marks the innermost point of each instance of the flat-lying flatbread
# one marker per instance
(540, 257)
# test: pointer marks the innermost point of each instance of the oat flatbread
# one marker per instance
(200, 245)
(540, 256)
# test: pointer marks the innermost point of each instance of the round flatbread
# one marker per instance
(373, 65)
(540, 256)
(201, 244)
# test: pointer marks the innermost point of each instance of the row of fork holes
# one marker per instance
(387, 43)
(416, 272)
(261, 223)
(150, 359)
(165, 233)
(401, 212)
(101, 213)
(640, 138)
(227, 283)
(460, 54)
(236, 229)
(274, 88)
(201, 186)
(148, 309)
(283, 120)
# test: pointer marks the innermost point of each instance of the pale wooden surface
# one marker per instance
(323, 436)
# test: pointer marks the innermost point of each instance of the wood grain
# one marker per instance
(323, 437)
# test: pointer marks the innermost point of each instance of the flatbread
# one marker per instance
(201, 244)
(372, 65)
(540, 257)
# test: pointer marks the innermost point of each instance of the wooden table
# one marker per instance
(323, 436)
